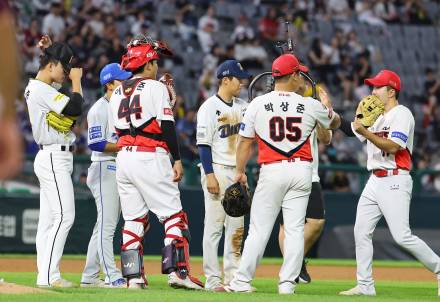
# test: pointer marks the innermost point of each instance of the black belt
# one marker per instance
(62, 148)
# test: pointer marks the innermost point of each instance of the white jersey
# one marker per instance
(218, 124)
(398, 126)
(42, 98)
(143, 103)
(283, 122)
(97, 120)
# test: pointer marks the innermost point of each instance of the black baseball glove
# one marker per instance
(237, 200)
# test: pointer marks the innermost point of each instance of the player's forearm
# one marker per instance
(170, 138)
(244, 149)
(76, 86)
(383, 144)
(111, 148)
(205, 154)
(324, 135)
(336, 122)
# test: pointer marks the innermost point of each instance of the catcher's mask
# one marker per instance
(141, 50)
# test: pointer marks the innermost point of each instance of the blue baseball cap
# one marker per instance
(112, 72)
(232, 68)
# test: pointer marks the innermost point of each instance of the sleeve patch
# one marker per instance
(95, 132)
(167, 111)
(400, 135)
(242, 126)
(201, 132)
(58, 97)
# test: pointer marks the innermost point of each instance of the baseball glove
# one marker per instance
(168, 80)
(369, 109)
(60, 123)
(237, 200)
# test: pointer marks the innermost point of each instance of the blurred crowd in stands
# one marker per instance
(203, 33)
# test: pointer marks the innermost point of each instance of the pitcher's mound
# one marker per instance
(12, 288)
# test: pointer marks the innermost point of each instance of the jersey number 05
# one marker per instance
(278, 128)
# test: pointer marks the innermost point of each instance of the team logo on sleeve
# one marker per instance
(95, 132)
(201, 132)
(242, 126)
(400, 135)
(167, 111)
(58, 97)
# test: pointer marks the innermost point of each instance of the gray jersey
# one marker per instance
(97, 120)
(42, 98)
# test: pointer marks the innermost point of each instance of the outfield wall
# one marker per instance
(19, 217)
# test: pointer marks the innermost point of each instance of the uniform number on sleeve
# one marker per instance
(126, 108)
(280, 129)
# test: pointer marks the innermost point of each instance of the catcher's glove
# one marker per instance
(369, 109)
(237, 200)
(168, 80)
(60, 123)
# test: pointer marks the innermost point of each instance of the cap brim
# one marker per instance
(123, 75)
(303, 68)
(244, 75)
(375, 82)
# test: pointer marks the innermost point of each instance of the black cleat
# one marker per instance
(304, 276)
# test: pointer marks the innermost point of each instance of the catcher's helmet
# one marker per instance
(137, 56)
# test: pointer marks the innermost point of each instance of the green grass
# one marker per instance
(265, 260)
(267, 291)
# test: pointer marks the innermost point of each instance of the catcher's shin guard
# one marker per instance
(132, 265)
(175, 254)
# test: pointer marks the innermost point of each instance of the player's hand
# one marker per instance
(75, 74)
(44, 42)
(241, 178)
(324, 97)
(212, 184)
(359, 128)
(178, 171)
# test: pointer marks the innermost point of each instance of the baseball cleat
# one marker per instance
(94, 283)
(137, 283)
(304, 276)
(356, 291)
(119, 283)
(62, 283)
(187, 283)
(286, 288)
(228, 289)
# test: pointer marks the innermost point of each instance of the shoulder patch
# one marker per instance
(58, 97)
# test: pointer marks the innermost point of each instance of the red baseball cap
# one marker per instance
(286, 64)
(385, 78)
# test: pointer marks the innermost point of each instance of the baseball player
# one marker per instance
(101, 179)
(281, 121)
(315, 208)
(218, 123)
(388, 190)
(54, 162)
(141, 112)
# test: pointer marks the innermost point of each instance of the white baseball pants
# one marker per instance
(286, 186)
(215, 220)
(57, 211)
(389, 197)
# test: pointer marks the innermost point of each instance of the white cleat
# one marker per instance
(136, 283)
(95, 283)
(286, 288)
(188, 283)
(356, 291)
(62, 283)
(229, 289)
